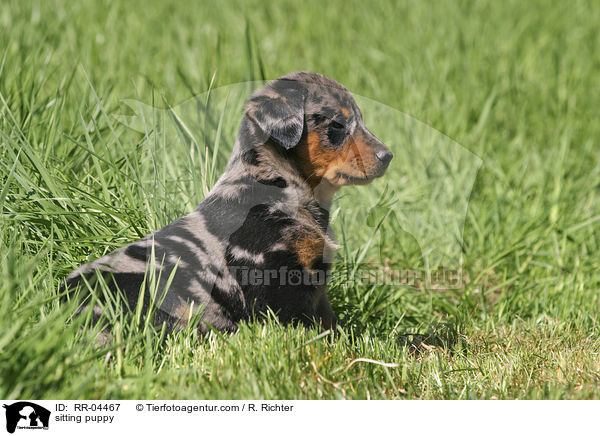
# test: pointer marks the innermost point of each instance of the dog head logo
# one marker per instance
(26, 415)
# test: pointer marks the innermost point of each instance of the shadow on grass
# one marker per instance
(443, 336)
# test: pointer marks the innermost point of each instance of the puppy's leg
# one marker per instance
(325, 315)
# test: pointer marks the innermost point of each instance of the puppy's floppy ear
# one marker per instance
(278, 111)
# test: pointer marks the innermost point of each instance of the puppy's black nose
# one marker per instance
(385, 156)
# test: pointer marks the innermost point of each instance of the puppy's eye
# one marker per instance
(337, 126)
(336, 133)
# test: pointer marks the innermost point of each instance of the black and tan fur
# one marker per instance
(301, 138)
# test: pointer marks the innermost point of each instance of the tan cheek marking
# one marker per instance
(314, 159)
(309, 249)
(357, 159)
(319, 157)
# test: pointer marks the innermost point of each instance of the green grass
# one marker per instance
(514, 83)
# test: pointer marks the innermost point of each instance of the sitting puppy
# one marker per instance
(260, 239)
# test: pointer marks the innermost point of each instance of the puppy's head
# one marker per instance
(318, 125)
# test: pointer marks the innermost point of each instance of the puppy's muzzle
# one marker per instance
(383, 155)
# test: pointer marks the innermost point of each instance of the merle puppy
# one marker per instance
(260, 239)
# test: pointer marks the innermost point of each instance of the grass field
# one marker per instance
(514, 83)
